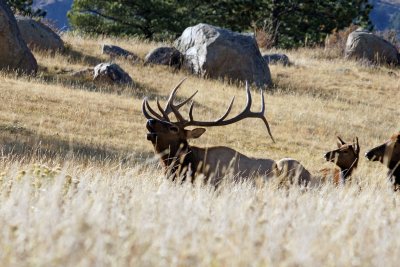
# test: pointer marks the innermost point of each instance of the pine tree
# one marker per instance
(24, 7)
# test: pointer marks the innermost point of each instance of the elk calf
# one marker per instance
(389, 155)
(170, 141)
(291, 171)
(345, 157)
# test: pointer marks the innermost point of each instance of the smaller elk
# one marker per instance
(345, 157)
(170, 141)
(389, 155)
(291, 171)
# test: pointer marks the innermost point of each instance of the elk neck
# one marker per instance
(181, 159)
(347, 172)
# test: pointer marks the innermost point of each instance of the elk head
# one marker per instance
(170, 138)
(346, 156)
(388, 153)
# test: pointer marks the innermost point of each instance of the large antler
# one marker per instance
(169, 107)
(222, 121)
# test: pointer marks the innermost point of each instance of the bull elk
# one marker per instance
(389, 155)
(170, 141)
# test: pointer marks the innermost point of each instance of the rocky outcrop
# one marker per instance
(214, 52)
(367, 46)
(169, 56)
(39, 36)
(14, 53)
(111, 73)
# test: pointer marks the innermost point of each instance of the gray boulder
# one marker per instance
(214, 52)
(116, 51)
(277, 59)
(111, 73)
(367, 46)
(169, 56)
(39, 36)
(14, 53)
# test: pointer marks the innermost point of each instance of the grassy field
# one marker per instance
(79, 184)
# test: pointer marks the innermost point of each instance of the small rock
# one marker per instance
(116, 51)
(111, 73)
(273, 59)
(169, 56)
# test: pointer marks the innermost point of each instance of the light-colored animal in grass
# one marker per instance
(170, 141)
(291, 171)
(389, 155)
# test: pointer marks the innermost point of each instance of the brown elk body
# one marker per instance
(389, 155)
(170, 141)
(345, 157)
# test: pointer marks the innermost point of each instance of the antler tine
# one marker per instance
(170, 107)
(146, 103)
(249, 100)
(263, 117)
(191, 111)
(227, 111)
(268, 129)
(178, 106)
(262, 103)
(165, 115)
(172, 95)
(144, 111)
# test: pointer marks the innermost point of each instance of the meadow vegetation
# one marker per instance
(80, 186)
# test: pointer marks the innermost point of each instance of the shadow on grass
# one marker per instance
(23, 144)
(86, 83)
(75, 57)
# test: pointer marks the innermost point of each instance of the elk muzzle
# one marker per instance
(330, 156)
(151, 135)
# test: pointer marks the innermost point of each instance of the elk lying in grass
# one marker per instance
(291, 171)
(170, 141)
(345, 157)
(389, 155)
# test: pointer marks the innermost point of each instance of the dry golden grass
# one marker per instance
(101, 199)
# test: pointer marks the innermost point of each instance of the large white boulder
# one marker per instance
(364, 45)
(214, 52)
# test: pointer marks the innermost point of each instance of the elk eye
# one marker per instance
(174, 129)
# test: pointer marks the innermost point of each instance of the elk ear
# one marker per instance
(340, 142)
(195, 133)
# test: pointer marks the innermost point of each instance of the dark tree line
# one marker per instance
(292, 22)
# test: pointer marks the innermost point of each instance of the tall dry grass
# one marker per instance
(79, 185)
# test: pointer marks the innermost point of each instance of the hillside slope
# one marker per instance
(79, 184)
